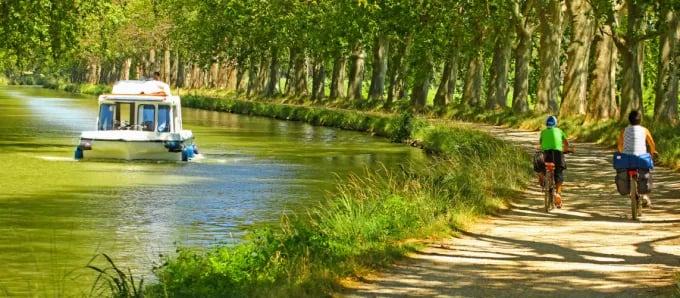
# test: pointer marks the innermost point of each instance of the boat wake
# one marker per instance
(220, 158)
(57, 158)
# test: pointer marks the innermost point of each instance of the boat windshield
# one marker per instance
(164, 118)
(105, 117)
(147, 116)
(130, 116)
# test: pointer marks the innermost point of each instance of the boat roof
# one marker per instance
(137, 87)
(140, 90)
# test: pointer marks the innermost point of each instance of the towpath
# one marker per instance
(589, 248)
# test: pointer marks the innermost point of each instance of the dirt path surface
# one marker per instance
(589, 248)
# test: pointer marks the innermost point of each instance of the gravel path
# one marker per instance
(589, 248)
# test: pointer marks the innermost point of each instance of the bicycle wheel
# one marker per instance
(547, 198)
(634, 199)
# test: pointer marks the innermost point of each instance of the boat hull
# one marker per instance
(134, 145)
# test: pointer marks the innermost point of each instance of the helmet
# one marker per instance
(551, 121)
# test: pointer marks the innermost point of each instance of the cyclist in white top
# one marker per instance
(634, 140)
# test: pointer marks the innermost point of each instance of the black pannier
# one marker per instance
(623, 182)
(539, 162)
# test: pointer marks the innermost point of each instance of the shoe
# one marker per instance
(558, 200)
(646, 202)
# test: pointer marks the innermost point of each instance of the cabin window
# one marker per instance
(146, 115)
(164, 118)
(105, 117)
(124, 116)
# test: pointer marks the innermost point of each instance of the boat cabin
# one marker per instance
(140, 106)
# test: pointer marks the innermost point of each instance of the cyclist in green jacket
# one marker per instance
(553, 142)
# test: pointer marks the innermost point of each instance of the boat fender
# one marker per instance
(78, 154)
(184, 156)
(189, 152)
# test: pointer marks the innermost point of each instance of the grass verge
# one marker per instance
(371, 221)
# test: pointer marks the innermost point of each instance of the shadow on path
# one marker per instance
(589, 248)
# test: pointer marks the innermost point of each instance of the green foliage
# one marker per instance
(402, 126)
(233, 271)
(459, 141)
(380, 125)
(114, 280)
(39, 33)
(94, 89)
(667, 142)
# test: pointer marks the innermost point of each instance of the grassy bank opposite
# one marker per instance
(666, 136)
(395, 128)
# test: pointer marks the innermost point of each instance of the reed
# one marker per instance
(114, 281)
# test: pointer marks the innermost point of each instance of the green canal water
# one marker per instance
(56, 214)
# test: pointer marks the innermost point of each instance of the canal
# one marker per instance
(56, 213)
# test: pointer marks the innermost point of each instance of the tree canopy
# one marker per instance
(598, 58)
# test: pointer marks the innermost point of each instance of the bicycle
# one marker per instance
(632, 164)
(549, 188)
(635, 200)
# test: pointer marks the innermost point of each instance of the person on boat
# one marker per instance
(156, 86)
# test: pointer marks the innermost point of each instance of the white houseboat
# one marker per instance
(138, 120)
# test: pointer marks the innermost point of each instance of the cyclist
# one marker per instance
(553, 142)
(633, 139)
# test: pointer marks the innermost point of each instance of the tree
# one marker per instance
(666, 103)
(578, 53)
(602, 104)
(41, 32)
(497, 94)
(478, 26)
(629, 45)
(549, 81)
(524, 28)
